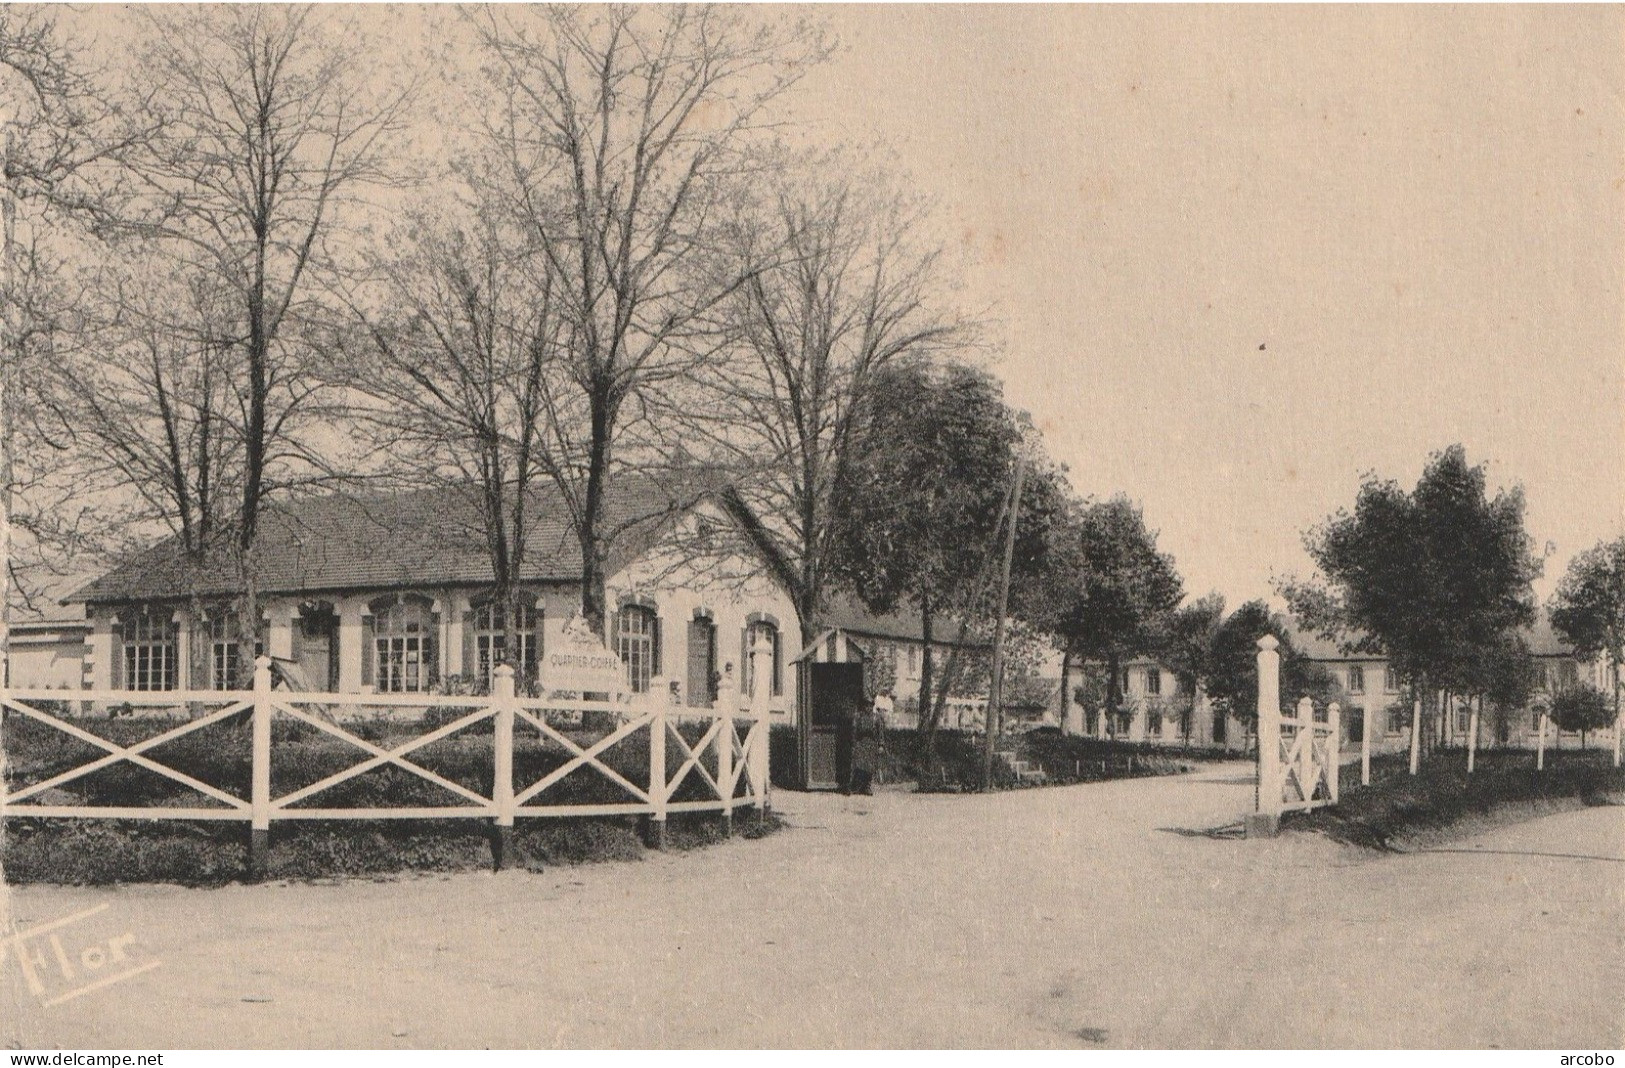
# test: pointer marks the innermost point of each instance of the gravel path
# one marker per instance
(1077, 916)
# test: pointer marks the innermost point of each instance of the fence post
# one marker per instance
(1266, 817)
(1540, 746)
(654, 825)
(1305, 710)
(1334, 749)
(259, 832)
(502, 697)
(761, 673)
(727, 706)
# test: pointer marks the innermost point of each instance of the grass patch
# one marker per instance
(198, 853)
(1399, 811)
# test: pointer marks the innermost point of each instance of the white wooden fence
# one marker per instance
(729, 761)
(1297, 754)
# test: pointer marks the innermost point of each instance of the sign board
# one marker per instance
(582, 663)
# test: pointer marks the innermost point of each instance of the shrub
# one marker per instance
(1583, 709)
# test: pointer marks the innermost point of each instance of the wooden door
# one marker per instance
(835, 699)
(702, 663)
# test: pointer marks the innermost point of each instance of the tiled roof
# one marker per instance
(419, 538)
(848, 614)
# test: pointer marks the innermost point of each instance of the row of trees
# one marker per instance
(1439, 581)
(237, 280)
(236, 273)
(254, 287)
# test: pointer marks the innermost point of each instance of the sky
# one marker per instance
(1240, 256)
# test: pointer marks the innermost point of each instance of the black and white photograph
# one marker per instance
(764, 526)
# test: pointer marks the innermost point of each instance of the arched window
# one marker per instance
(637, 642)
(151, 660)
(491, 640)
(405, 647)
(768, 628)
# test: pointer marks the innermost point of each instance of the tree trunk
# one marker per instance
(1066, 705)
(1113, 696)
(1472, 733)
(1616, 709)
(1416, 728)
(927, 706)
(248, 619)
(593, 607)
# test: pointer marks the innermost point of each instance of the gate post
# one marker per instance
(1266, 817)
(502, 766)
(259, 803)
(727, 706)
(761, 673)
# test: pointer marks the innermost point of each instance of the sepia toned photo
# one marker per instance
(772, 526)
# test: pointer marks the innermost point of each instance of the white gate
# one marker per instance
(1297, 754)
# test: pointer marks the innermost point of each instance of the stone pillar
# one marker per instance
(279, 634)
(451, 619)
(183, 648)
(1266, 816)
(351, 634)
(102, 651)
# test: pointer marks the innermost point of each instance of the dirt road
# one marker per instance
(1077, 916)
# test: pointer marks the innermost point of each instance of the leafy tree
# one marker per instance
(1512, 685)
(1119, 590)
(1582, 708)
(1438, 580)
(1187, 648)
(1233, 664)
(1588, 609)
(919, 511)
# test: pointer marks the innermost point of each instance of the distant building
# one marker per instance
(48, 641)
(1158, 709)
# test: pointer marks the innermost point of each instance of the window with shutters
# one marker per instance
(1356, 678)
(770, 630)
(151, 655)
(407, 654)
(1153, 681)
(1390, 679)
(636, 644)
(491, 640)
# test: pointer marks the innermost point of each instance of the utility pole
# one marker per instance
(996, 692)
(9, 356)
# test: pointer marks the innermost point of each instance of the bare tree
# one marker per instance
(620, 137)
(454, 372)
(59, 128)
(268, 133)
(843, 290)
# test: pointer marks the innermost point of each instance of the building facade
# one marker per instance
(394, 595)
